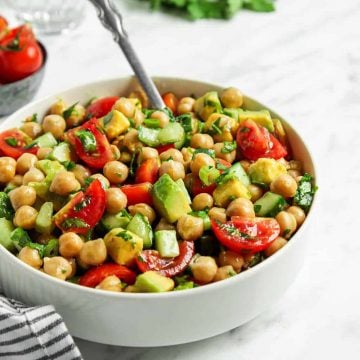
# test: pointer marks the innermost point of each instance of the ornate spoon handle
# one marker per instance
(112, 20)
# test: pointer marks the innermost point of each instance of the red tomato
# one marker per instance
(13, 144)
(256, 142)
(151, 260)
(148, 171)
(197, 186)
(96, 275)
(101, 107)
(163, 148)
(246, 234)
(222, 162)
(138, 193)
(103, 153)
(22, 32)
(3, 27)
(83, 211)
(171, 101)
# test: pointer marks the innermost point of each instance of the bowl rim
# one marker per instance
(163, 295)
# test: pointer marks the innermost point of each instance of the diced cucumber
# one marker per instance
(44, 221)
(6, 209)
(6, 228)
(119, 220)
(172, 133)
(50, 168)
(46, 140)
(182, 186)
(166, 243)
(269, 204)
(61, 152)
(140, 226)
(238, 171)
(149, 136)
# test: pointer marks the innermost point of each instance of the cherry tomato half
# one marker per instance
(96, 275)
(151, 260)
(83, 211)
(101, 107)
(171, 101)
(13, 143)
(138, 193)
(165, 147)
(246, 234)
(148, 171)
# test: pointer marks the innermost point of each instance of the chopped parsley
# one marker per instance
(87, 139)
(125, 235)
(209, 152)
(228, 147)
(83, 203)
(74, 223)
(215, 127)
(108, 118)
(257, 208)
(68, 112)
(305, 192)
(232, 230)
(11, 141)
(69, 165)
(186, 122)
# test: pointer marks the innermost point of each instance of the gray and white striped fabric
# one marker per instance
(34, 333)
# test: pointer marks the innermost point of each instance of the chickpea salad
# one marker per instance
(117, 196)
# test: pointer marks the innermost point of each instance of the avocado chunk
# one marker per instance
(140, 226)
(269, 205)
(151, 281)
(207, 105)
(169, 199)
(166, 243)
(263, 171)
(123, 246)
(182, 186)
(119, 220)
(49, 168)
(115, 123)
(46, 140)
(6, 228)
(61, 152)
(44, 223)
(6, 209)
(229, 191)
(236, 171)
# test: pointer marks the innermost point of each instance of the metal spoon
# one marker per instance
(112, 20)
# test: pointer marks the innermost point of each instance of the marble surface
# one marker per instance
(303, 60)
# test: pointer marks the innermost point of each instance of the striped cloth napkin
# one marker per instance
(34, 333)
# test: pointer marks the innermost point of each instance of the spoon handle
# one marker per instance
(112, 20)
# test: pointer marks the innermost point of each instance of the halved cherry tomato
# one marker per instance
(3, 27)
(13, 144)
(96, 275)
(256, 142)
(83, 211)
(222, 163)
(151, 260)
(171, 101)
(165, 147)
(101, 107)
(138, 193)
(246, 234)
(148, 171)
(21, 33)
(197, 186)
(102, 154)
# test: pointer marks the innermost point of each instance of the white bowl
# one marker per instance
(130, 319)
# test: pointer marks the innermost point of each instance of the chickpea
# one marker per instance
(64, 183)
(232, 98)
(295, 165)
(172, 154)
(202, 201)
(25, 162)
(77, 116)
(162, 117)
(70, 244)
(116, 200)
(17, 180)
(23, 195)
(54, 124)
(143, 209)
(110, 283)
(32, 129)
(138, 118)
(164, 225)
(190, 227)
(104, 181)
(58, 267)
(202, 141)
(186, 105)
(131, 289)
(230, 157)
(227, 125)
(204, 269)
(217, 213)
(255, 191)
(58, 108)
(72, 262)
(284, 185)
(116, 172)
(199, 161)
(93, 252)
(245, 164)
(126, 106)
(173, 168)
(7, 169)
(31, 257)
(287, 222)
(32, 175)
(81, 173)
(131, 140)
(298, 213)
(147, 153)
(141, 96)
(25, 217)
(231, 258)
(241, 207)
(294, 173)
(276, 245)
(116, 152)
(224, 272)
(43, 153)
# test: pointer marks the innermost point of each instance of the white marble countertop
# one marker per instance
(303, 60)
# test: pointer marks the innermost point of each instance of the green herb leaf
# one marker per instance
(11, 141)
(69, 165)
(209, 152)
(228, 147)
(6, 209)
(125, 235)
(108, 118)
(83, 203)
(305, 192)
(74, 223)
(87, 139)
(51, 248)
(67, 113)
(186, 122)
(152, 123)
